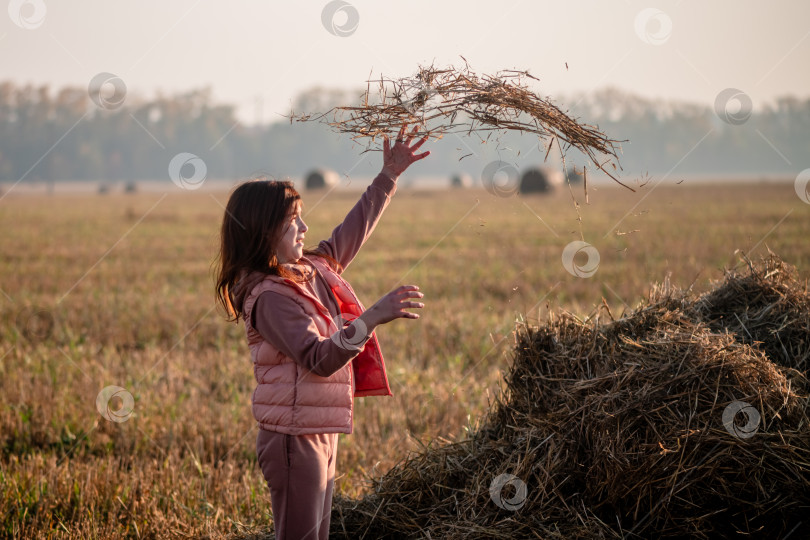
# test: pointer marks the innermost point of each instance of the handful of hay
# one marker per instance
(628, 429)
(451, 100)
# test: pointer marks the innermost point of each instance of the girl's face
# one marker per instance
(291, 245)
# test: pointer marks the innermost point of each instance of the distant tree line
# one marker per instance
(57, 135)
(773, 140)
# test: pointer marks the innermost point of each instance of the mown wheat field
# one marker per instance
(117, 290)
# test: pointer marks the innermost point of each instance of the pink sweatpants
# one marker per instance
(300, 471)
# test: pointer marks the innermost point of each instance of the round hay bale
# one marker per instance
(321, 178)
(461, 180)
(540, 180)
(131, 187)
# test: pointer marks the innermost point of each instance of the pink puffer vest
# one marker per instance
(291, 399)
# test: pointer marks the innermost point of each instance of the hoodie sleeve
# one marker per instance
(284, 324)
(348, 237)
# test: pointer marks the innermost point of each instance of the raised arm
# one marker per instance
(348, 237)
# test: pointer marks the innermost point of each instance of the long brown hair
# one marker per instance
(253, 222)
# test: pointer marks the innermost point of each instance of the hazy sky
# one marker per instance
(250, 49)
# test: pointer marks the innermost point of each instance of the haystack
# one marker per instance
(763, 307)
(631, 428)
(540, 180)
(461, 180)
(321, 178)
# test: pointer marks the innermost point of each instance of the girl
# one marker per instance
(307, 363)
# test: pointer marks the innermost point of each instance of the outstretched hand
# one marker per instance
(397, 158)
(392, 306)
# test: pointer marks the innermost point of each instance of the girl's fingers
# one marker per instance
(411, 294)
(406, 288)
(423, 155)
(411, 135)
(419, 143)
(386, 145)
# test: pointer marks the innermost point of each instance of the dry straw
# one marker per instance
(450, 100)
(617, 428)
